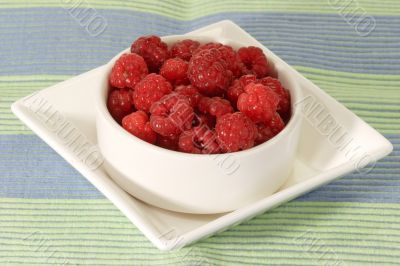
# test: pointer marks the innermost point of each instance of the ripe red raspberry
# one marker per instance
(234, 91)
(269, 130)
(149, 91)
(127, 71)
(235, 132)
(208, 46)
(171, 115)
(247, 79)
(232, 58)
(175, 71)
(258, 102)
(208, 72)
(215, 106)
(264, 133)
(199, 140)
(276, 124)
(137, 124)
(152, 49)
(184, 49)
(190, 92)
(170, 143)
(283, 94)
(233, 62)
(254, 60)
(119, 104)
(237, 88)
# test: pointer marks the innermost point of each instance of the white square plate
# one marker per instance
(322, 157)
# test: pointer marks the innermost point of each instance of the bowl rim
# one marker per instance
(102, 110)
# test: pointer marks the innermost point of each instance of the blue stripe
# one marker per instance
(31, 169)
(49, 40)
(23, 164)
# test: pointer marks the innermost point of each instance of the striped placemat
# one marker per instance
(50, 214)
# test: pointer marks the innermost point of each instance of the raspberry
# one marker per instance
(237, 88)
(264, 133)
(150, 90)
(119, 104)
(175, 71)
(233, 62)
(232, 59)
(234, 91)
(208, 72)
(208, 46)
(215, 106)
(170, 143)
(171, 115)
(283, 94)
(258, 102)
(267, 131)
(254, 61)
(137, 124)
(247, 79)
(153, 50)
(191, 93)
(276, 124)
(235, 132)
(199, 140)
(184, 49)
(127, 71)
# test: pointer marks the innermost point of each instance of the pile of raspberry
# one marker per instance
(197, 98)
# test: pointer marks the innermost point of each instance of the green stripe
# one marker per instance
(94, 229)
(187, 9)
(351, 78)
(13, 88)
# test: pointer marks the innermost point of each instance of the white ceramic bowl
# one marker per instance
(194, 183)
